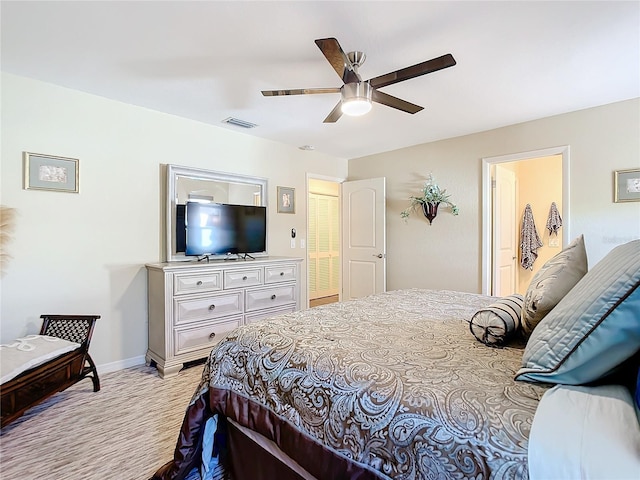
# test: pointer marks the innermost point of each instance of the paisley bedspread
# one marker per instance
(394, 384)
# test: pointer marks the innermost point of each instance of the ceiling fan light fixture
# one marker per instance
(356, 98)
(358, 95)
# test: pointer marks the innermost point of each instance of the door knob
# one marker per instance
(378, 255)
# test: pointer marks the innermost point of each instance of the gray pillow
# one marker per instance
(552, 282)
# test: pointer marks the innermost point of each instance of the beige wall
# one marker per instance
(85, 253)
(539, 182)
(447, 254)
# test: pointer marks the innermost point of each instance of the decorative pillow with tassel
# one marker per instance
(495, 324)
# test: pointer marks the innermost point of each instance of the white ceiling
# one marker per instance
(209, 60)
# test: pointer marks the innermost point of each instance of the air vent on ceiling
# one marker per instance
(239, 123)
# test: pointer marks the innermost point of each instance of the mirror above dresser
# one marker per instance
(196, 184)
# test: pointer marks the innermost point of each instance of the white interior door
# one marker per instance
(364, 239)
(504, 233)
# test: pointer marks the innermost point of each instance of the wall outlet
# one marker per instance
(302, 243)
(554, 241)
(293, 243)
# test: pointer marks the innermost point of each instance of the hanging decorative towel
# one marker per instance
(529, 240)
(554, 222)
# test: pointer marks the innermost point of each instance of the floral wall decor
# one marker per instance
(430, 199)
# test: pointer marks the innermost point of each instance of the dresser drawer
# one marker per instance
(189, 339)
(207, 307)
(272, 312)
(280, 273)
(205, 282)
(242, 278)
(270, 297)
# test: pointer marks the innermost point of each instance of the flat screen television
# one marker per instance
(221, 229)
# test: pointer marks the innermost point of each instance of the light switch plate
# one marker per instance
(293, 243)
(302, 243)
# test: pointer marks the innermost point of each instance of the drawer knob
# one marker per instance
(244, 278)
(273, 297)
(212, 335)
(281, 274)
(212, 307)
(199, 282)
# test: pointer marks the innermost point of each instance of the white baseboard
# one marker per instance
(120, 364)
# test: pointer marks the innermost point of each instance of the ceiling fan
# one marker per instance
(357, 94)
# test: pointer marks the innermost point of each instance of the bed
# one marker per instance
(38, 366)
(399, 386)
(367, 389)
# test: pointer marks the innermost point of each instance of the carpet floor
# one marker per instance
(126, 431)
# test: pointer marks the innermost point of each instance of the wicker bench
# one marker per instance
(38, 383)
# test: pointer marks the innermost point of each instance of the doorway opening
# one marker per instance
(510, 182)
(323, 241)
(351, 252)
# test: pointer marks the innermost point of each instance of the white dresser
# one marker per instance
(192, 305)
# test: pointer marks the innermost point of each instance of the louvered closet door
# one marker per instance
(324, 246)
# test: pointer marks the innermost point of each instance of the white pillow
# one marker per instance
(586, 433)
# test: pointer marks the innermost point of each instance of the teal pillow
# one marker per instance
(593, 329)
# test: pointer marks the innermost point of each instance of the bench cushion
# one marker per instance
(30, 351)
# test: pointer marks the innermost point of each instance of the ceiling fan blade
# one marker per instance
(335, 114)
(338, 59)
(423, 68)
(299, 91)
(394, 102)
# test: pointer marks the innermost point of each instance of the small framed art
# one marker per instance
(48, 172)
(286, 200)
(626, 185)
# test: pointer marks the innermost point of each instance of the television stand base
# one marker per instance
(238, 256)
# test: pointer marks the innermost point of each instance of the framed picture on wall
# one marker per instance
(48, 172)
(626, 185)
(286, 200)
